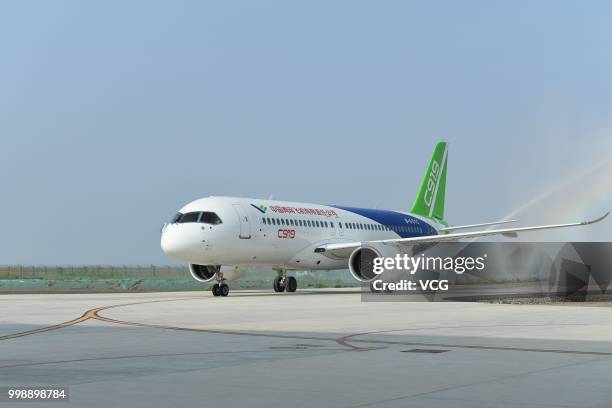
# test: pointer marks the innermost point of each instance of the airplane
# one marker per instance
(217, 235)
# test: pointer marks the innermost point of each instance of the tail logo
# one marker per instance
(432, 183)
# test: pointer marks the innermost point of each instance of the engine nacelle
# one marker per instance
(361, 263)
(203, 273)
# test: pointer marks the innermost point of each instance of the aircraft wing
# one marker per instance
(484, 224)
(341, 249)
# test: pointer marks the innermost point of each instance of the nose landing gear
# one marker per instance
(284, 283)
(220, 288)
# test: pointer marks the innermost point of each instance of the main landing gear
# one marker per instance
(284, 283)
(220, 288)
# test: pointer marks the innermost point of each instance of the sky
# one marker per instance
(115, 114)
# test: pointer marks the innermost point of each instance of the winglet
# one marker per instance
(595, 220)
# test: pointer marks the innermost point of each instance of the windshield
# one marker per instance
(210, 218)
(205, 217)
(189, 217)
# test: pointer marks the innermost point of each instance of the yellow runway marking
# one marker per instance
(93, 314)
(90, 314)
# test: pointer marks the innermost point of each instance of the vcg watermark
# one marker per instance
(414, 263)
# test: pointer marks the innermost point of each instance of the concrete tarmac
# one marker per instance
(310, 348)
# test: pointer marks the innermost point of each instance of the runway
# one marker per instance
(310, 348)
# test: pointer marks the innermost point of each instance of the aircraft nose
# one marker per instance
(173, 245)
(167, 245)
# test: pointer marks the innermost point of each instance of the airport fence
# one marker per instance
(94, 272)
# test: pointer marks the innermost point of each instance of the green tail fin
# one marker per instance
(430, 200)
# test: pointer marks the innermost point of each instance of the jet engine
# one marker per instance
(203, 273)
(361, 263)
(206, 273)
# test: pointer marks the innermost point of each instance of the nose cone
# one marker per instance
(169, 246)
(177, 245)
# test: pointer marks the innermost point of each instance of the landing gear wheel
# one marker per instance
(291, 284)
(278, 285)
(223, 289)
(215, 289)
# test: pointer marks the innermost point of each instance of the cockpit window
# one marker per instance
(210, 218)
(189, 217)
(176, 218)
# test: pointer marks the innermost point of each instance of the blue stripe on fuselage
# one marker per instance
(394, 220)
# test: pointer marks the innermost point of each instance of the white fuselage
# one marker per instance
(243, 231)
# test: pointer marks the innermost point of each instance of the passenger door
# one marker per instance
(245, 224)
